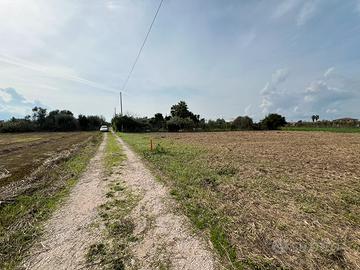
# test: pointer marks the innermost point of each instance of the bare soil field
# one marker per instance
(269, 200)
(36, 171)
(22, 154)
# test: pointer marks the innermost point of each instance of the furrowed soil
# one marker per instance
(68, 234)
(37, 172)
(267, 200)
(23, 154)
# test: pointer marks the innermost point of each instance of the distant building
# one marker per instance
(346, 119)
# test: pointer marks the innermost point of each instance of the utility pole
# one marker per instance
(121, 111)
(121, 107)
(115, 112)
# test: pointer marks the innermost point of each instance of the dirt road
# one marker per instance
(68, 233)
(165, 238)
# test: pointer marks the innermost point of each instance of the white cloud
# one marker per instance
(326, 97)
(60, 72)
(329, 71)
(280, 76)
(271, 94)
(113, 5)
(306, 13)
(331, 111)
(26, 24)
(285, 7)
(14, 104)
(5, 96)
(247, 39)
(67, 50)
(248, 110)
(320, 92)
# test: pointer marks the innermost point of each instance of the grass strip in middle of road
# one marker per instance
(113, 251)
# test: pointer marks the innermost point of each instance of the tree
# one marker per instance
(180, 110)
(94, 122)
(243, 122)
(83, 122)
(65, 122)
(273, 121)
(56, 120)
(39, 115)
(315, 117)
(67, 112)
(130, 124)
(177, 123)
(157, 122)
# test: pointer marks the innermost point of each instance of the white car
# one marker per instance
(104, 128)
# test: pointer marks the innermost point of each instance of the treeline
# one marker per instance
(338, 123)
(56, 120)
(182, 119)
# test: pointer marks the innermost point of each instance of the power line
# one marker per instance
(142, 47)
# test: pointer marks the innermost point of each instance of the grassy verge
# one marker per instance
(330, 129)
(194, 185)
(21, 222)
(113, 251)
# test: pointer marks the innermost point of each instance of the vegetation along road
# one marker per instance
(222, 200)
(115, 216)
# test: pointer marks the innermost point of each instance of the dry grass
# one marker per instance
(289, 199)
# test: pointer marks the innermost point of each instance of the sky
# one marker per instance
(224, 58)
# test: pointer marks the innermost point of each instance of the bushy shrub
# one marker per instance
(17, 125)
(273, 121)
(177, 123)
(130, 124)
(92, 122)
(65, 122)
(157, 122)
(218, 124)
(243, 123)
(339, 123)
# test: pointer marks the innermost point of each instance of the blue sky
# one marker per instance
(224, 58)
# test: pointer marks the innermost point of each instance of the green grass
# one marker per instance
(21, 222)
(114, 155)
(193, 184)
(325, 129)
